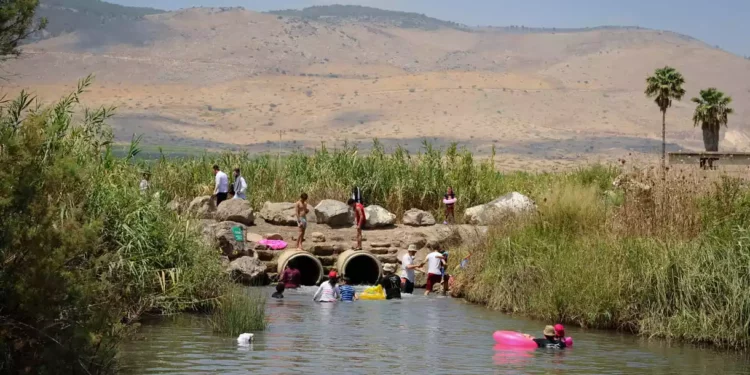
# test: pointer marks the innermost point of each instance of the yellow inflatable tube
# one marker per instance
(373, 293)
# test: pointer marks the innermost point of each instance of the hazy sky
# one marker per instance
(718, 22)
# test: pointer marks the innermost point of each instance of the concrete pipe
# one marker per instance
(360, 267)
(310, 269)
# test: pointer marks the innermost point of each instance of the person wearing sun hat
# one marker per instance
(550, 340)
(408, 270)
(390, 282)
(328, 291)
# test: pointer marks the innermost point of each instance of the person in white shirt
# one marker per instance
(144, 183)
(328, 291)
(435, 261)
(408, 268)
(240, 186)
(222, 185)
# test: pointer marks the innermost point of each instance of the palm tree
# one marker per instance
(663, 86)
(712, 112)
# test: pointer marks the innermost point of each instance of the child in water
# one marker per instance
(347, 292)
(279, 291)
(550, 340)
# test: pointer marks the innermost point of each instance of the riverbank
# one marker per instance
(658, 258)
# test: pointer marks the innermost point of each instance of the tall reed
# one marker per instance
(240, 310)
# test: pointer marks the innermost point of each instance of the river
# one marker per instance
(417, 335)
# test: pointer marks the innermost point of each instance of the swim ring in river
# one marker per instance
(373, 293)
(519, 340)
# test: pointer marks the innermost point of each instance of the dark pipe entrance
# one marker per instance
(309, 269)
(361, 269)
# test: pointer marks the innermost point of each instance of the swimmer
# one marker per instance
(301, 211)
(328, 291)
(347, 292)
(390, 282)
(550, 341)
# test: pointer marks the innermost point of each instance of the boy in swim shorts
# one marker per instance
(359, 220)
(301, 210)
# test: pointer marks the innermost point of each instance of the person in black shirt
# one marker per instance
(550, 341)
(390, 282)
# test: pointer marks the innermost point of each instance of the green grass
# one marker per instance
(240, 310)
(675, 265)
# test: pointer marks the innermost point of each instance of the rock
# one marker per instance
(272, 267)
(318, 237)
(417, 239)
(266, 255)
(397, 243)
(223, 235)
(334, 213)
(387, 258)
(253, 237)
(379, 251)
(364, 239)
(224, 261)
(418, 218)
(337, 239)
(247, 270)
(338, 249)
(281, 213)
(509, 204)
(202, 207)
(378, 217)
(273, 236)
(176, 206)
(380, 244)
(322, 250)
(327, 261)
(237, 210)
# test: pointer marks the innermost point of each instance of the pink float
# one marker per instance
(273, 244)
(519, 340)
(450, 201)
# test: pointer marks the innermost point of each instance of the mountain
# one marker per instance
(67, 16)
(232, 78)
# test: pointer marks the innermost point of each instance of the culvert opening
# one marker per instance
(362, 269)
(310, 269)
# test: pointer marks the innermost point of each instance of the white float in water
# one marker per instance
(245, 338)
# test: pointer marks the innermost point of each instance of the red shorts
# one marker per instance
(433, 279)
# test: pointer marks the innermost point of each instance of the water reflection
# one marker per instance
(417, 335)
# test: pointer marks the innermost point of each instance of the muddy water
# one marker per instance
(416, 335)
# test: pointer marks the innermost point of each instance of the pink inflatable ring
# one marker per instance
(519, 340)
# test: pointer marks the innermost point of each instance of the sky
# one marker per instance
(725, 23)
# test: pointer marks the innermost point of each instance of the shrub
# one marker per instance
(240, 310)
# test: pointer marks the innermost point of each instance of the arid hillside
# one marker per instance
(235, 79)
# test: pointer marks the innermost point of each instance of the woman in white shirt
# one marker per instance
(328, 291)
(240, 186)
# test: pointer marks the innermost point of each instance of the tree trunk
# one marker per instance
(663, 140)
(711, 138)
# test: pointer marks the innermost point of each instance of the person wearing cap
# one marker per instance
(390, 282)
(550, 340)
(328, 291)
(408, 270)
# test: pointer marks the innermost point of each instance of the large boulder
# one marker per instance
(176, 205)
(418, 218)
(224, 237)
(334, 213)
(203, 207)
(237, 210)
(378, 217)
(282, 213)
(247, 270)
(509, 204)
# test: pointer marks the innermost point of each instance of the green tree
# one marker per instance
(17, 20)
(664, 86)
(712, 111)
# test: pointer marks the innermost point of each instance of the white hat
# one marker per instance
(390, 267)
(412, 247)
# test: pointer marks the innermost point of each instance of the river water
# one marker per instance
(417, 335)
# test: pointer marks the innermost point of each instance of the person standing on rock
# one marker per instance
(221, 190)
(301, 210)
(434, 262)
(449, 199)
(240, 185)
(408, 269)
(359, 220)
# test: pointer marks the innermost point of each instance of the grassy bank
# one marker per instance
(398, 180)
(673, 262)
(83, 254)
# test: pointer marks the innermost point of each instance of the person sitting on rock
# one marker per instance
(390, 282)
